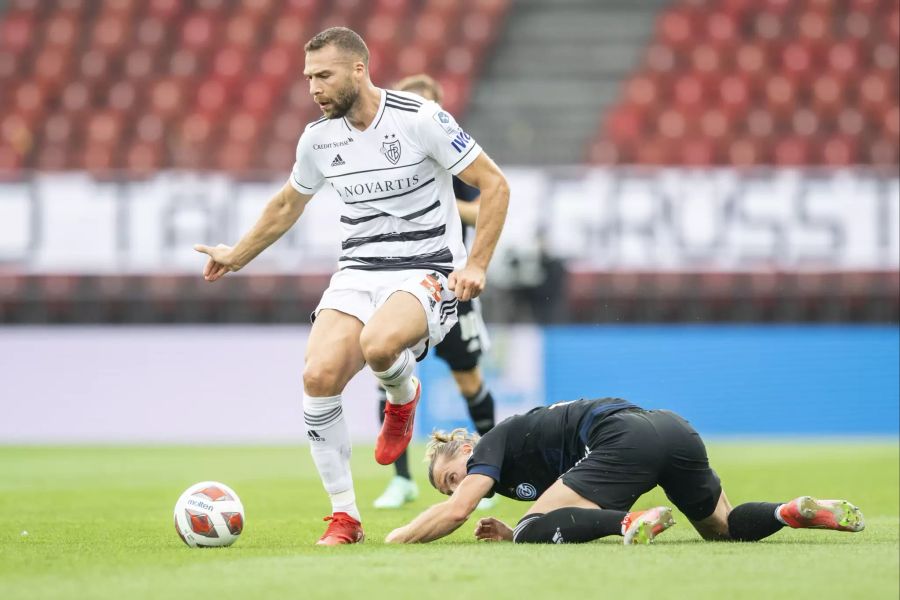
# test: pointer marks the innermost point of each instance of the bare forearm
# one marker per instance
(279, 215)
(491, 217)
(438, 521)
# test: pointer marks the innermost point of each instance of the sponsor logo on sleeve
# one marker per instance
(461, 141)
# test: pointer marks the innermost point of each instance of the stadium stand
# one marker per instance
(203, 84)
(126, 88)
(777, 82)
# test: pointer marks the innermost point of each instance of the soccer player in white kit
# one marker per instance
(403, 267)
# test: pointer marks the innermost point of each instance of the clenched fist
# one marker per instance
(467, 283)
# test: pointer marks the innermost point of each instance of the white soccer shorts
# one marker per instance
(360, 293)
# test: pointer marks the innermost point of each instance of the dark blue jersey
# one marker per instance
(526, 454)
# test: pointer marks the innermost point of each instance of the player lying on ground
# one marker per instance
(461, 348)
(585, 463)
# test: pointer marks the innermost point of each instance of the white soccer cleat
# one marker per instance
(398, 492)
(642, 527)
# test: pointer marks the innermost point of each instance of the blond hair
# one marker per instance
(446, 445)
(421, 83)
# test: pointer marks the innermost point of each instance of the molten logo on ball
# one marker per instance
(209, 514)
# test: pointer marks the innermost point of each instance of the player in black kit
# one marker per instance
(463, 345)
(585, 463)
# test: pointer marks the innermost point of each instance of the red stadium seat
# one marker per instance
(61, 31)
(8, 69)
(167, 97)
(884, 152)
(675, 29)
(140, 64)
(752, 59)
(659, 59)
(805, 122)
(828, 95)
(51, 66)
(857, 25)
(850, 122)
(768, 26)
(241, 30)
(734, 94)
(278, 156)
(104, 128)
(212, 97)
(797, 61)
(199, 31)
(258, 96)
(164, 9)
(243, 127)
(745, 152)
(186, 64)
(813, 26)
(715, 124)
(625, 124)
(689, 93)
(891, 122)
(235, 157)
(278, 63)
(839, 151)
(229, 63)
(16, 33)
(672, 124)
(792, 151)
(781, 95)
(143, 159)
(697, 152)
(110, 32)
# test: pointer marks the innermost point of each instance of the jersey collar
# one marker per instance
(378, 114)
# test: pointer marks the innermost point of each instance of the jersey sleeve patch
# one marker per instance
(446, 122)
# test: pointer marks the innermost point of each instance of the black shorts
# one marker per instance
(633, 451)
(461, 348)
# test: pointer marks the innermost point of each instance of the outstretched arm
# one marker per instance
(444, 518)
(280, 214)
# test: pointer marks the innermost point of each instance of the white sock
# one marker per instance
(397, 379)
(329, 444)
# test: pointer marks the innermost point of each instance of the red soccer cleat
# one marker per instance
(397, 429)
(642, 527)
(343, 529)
(806, 512)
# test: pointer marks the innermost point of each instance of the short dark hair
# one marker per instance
(342, 37)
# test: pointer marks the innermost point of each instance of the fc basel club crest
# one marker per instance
(391, 148)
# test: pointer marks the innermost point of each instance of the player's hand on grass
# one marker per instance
(467, 283)
(396, 536)
(490, 529)
(220, 261)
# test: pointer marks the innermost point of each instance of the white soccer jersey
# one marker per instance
(395, 180)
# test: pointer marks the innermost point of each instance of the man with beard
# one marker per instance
(390, 156)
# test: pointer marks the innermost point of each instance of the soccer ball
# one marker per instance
(207, 514)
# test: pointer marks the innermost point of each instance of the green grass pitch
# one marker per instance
(99, 523)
